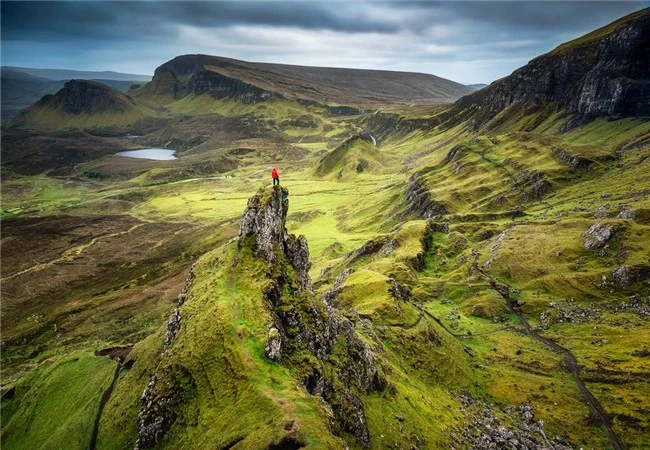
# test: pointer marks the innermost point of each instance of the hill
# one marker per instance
(81, 104)
(251, 82)
(20, 89)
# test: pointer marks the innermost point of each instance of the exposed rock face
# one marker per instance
(174, 323)
(598, 235)
(87, 97)
(567, 158)
(453, 154)
(199, 74)
(622, 276)
(302, 322)
(156, 414)
(264, 219)
(220, 86)
(330, 295)
(605, 73)
(419, 201)
(343, 110)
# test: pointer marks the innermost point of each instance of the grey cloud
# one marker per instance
(465, 41)
(34, 21)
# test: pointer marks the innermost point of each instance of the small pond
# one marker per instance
(149, 153)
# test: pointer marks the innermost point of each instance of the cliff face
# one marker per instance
(302, 333)
(197, 75)
(605, 73)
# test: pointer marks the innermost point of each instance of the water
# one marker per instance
(150, 153)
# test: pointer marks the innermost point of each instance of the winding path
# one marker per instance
(504, 290)
(72, 253)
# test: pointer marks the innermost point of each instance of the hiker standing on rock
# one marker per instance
(276, 177)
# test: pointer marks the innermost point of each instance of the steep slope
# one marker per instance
(254, 82)
(604, 73)
(82, 104)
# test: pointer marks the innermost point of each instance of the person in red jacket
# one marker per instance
(275, 176)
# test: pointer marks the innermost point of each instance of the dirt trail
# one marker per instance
(504, 290)
(118, 354)
(72, 253)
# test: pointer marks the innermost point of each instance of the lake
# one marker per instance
(149, 153)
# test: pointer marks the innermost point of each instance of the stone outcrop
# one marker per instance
(598, 235)
(201, 74)
(156, 413)
(419, 200)
(302, 322)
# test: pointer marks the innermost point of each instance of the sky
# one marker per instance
(465, 41)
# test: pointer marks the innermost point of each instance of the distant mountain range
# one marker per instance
(22, 86)
(477, 86)
(64, 74)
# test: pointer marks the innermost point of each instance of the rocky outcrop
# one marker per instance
(576, 162)
(302, 322)
(156, 413)
(598, 235)
(343, 110)
(200, 74)
(419, 200)
(605, 73)
(264, 219)
(219, 86)
(330, 295)
(487, 429)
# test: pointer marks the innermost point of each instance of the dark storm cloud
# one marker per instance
(34, 21)
(465, 41)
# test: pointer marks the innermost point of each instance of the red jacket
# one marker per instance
(274, 174)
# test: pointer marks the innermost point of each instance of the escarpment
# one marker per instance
(604, 73)
(198, 75)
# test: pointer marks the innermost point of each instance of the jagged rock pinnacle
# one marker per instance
(264, 219)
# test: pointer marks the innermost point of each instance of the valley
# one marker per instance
(473, 274)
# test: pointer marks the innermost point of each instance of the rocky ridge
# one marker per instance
(604, 73)
(304, 323)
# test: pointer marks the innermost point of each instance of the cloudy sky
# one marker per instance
(469, 42)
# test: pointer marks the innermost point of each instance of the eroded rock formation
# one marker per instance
(304, 323)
